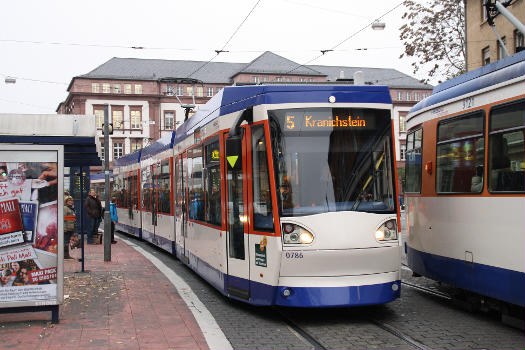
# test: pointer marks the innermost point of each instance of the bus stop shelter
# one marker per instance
(34, 150)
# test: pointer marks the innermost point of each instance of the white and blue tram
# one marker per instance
(278, 195)
(466, 184)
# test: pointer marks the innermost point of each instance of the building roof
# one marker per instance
(374, 76)
(154, 69)
(223, 72)
(270, 63)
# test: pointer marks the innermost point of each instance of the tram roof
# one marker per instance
(128, 159)
(494, 73)
(162, 144)
(77, 133)
(237, 98)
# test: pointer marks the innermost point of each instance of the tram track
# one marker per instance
(316, 344)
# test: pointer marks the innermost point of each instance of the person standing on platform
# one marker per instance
(114, 217)
(69, 224)
(94, 212)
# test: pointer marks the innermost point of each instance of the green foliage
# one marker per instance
(434, 34)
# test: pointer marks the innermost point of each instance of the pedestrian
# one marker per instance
(69, 224)
(94, 211)
(114, 217)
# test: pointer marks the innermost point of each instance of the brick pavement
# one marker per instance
(123, 304)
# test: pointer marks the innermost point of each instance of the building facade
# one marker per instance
(145, 97)
(483, 46)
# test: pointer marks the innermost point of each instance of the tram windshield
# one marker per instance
(332, 159)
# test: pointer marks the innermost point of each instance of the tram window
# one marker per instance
(146, 189)
(460, 154)
(178, 186)
(135, 193)
(506, 148)
(413, 161)
(262, 200)
(196, 188)
(212, 174)
(164, 187)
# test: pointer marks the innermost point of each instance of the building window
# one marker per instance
(519, 44)
(217, 90)
(416, 96)
(102, 151)
(256, 80)
(265, 79)
(135, 118)
(180, 91)
(99, 118)
(136, 144)
(106, 88)
(95, 88)
(138, 89)
(116, 88)
(170, 91)
(279, 79)
(501, 49)
(485, 56)
(117, 118)
(403, 151)
(400, 96)
(118, 150)
(189, 91)
(484, 16)
(288, 80)
(127, 88)
(402, 123)
(200, 91)
(209, 92)
(169, 119)
(409, 96)
(460, 154)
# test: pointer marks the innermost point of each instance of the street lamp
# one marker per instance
(376, 25)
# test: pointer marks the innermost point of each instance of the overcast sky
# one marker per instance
(46, 43)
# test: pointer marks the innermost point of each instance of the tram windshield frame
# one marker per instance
(333, 159)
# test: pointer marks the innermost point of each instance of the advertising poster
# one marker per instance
(28, 231)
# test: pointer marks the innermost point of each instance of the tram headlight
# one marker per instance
(295, 234)
(387, 231)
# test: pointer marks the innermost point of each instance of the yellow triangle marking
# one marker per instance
(232, 160)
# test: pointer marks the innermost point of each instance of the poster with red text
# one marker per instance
(28, 231)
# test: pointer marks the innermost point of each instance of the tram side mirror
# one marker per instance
(234, 152)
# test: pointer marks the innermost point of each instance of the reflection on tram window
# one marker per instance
(262, 201)
(212, 174)
(146, 192)
(332, 160)
(413, 161)
(507, 149)
(196, 204)
(164, 188)
(460, 155)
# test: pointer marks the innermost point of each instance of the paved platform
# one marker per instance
(123, 304)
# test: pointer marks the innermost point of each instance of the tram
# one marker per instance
(277, 195)
(465, 189)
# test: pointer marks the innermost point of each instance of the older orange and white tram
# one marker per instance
(280, 195)
(466, 183)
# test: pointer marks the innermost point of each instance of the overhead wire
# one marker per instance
(227, 41)
(323, 52)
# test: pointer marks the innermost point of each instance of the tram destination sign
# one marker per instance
(316, 122)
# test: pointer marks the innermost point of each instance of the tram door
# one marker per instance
(237, 239)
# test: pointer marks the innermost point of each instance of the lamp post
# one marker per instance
(107, 215)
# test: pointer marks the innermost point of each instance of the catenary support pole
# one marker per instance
(107, 189)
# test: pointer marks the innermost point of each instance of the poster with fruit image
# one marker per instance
(29, 231)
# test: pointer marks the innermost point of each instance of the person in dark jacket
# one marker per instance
(94, 212)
